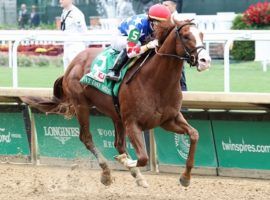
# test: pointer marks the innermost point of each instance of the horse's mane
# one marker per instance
(164, 29)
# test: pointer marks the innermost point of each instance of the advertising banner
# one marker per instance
(242, 144)
(58, 137)
(13, 137)
(172, 149)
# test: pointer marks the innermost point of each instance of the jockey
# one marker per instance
(134, 32)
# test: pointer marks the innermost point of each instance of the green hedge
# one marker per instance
(33, 61)
(242, 50)
(42, 26)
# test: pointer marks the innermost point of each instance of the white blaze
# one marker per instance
(204, 59)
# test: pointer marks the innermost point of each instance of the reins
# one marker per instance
(170, 55)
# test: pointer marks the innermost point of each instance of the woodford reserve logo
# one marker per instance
(108, 138)
(7, 136)
(182, 144)
(62, 134)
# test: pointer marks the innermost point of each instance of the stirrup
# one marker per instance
(112, 76)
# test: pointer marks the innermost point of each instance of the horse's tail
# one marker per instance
(57, 104)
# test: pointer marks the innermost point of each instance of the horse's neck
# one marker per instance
(166, 71)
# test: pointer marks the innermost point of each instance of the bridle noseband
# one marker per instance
(189, 56)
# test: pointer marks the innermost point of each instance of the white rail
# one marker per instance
(104, 37)
(197, 100)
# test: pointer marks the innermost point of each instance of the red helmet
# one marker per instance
(159, 12)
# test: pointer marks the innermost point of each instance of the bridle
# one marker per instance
(189, 54)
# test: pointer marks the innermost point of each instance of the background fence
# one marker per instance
(15, 38)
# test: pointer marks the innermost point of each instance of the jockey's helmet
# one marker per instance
(159, 12)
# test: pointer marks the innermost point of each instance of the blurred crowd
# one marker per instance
(28, 19)
(126, 8)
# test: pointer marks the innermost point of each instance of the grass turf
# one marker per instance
(31, 76)
(245, 77)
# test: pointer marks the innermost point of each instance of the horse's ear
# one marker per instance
(182, 22)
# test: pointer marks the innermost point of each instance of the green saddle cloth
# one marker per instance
(99, 69)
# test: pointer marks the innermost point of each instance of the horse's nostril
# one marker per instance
(203, 60)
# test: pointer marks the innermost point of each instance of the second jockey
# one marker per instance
(134, 32)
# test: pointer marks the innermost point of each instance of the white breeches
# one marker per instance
(119, 42)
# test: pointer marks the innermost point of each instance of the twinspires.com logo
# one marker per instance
(243, 147)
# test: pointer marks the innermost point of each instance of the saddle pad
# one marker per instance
(100, 67)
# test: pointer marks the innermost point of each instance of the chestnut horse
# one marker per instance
(153, 98)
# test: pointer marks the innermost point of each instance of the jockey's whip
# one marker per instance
(138, 69)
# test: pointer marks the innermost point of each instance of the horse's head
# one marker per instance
(188, 43)
(190, 39)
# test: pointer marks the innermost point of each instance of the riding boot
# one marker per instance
(114, 73)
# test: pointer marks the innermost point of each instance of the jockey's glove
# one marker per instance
(152, 44)
(134, 50)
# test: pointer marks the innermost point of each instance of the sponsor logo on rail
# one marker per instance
(109, 142)
(62, 134)
(243, 147)
(7, 136)
(182, 144)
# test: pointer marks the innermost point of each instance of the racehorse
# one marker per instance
(151, 98)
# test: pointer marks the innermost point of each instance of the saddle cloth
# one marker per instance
(99, 69)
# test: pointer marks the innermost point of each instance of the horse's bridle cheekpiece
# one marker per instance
(189, 57)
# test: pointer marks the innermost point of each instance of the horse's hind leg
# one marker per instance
(82, 113)
(179, 125)
(120, 145)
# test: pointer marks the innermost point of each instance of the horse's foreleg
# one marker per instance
(120, 140)
(136, 139)
(82, 113)
(179, 125)
(120, 145)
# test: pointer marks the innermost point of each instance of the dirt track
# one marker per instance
(29, 182)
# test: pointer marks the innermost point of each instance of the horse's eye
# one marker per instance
(186, 37)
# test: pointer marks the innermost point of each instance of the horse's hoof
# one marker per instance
(142, 183)
(106, 179)
(184, 181)
(134, 171)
